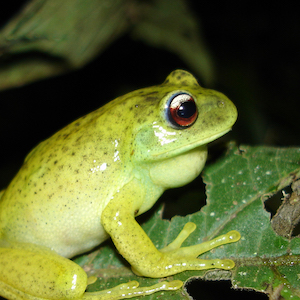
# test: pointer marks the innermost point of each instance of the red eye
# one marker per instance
(182, 110)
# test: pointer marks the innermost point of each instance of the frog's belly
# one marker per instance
(69, 231)
(70, 240)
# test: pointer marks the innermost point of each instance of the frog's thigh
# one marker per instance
(31, 275)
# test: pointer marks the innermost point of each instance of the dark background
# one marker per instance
(256, 54)
(256, 51)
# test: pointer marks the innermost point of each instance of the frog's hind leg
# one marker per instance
(34, 273)
(40, 274)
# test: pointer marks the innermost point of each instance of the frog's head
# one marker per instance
(179, 119)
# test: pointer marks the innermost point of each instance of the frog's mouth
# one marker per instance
(167, 153)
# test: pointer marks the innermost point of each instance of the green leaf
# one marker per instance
(237, 186)
(51, 37)
(244, 180)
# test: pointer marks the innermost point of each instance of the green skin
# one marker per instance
(87, 183)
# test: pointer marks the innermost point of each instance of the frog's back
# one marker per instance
(64, 183)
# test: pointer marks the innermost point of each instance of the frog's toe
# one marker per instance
(131, 289)
(225, 264)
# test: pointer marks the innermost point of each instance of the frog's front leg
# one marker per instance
(137, 248)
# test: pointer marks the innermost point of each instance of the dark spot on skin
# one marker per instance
(73, 153)
(55, 162)
(42, 175)
(78, 139)
(152, 93)
(153, 99)
(65, 149)
(136, 212)
(150, 113)
(140, 92)
(78, 123)
(65, 136)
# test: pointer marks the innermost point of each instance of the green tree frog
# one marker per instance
(88, 181)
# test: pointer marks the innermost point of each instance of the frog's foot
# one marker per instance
(196, 250)
(131, 290)
(180, 259)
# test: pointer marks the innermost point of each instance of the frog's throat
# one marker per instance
(189, 147)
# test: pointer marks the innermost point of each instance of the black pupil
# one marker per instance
(186, 109)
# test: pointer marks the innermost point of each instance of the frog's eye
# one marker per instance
(181, 110)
